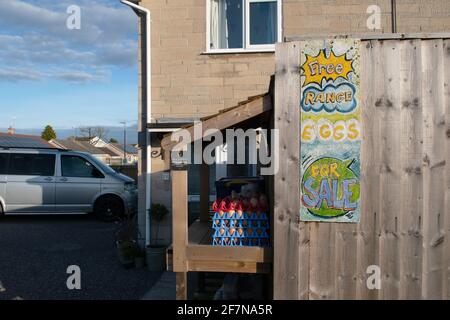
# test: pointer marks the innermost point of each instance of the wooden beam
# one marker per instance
(237, 254)
(179, 219)
(227, 119)
(228, 266)
(374, 36)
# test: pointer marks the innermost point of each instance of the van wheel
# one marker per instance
(2, 214)
(109, 208)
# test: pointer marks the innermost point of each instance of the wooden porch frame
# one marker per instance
(192, 250)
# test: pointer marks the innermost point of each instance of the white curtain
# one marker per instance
(214, 24)
(219, 25)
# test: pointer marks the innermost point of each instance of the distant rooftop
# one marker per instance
(81, 145)
(129, 148)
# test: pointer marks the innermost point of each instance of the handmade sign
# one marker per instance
(330, 131)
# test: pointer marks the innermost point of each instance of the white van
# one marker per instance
(52, 181)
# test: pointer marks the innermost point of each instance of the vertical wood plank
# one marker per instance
(179, 219)
(446, 71)
(367, 246)
(291, 251)
(390, 171)
(410, 217)
(322, 261)
(370, 159)
(433, 168)
(346, 261)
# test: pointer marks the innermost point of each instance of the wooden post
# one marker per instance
(204, 192)
(181, 286)
(180, 228)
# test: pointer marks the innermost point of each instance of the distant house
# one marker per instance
(10, 140)
(108, 153)
(104, 154)
(131, 152)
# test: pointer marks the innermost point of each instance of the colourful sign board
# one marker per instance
(330, 131)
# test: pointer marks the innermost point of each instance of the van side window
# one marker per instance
(32, 164)
(78, 167)
(4, 163)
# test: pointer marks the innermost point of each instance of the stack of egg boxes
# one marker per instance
(235, 229)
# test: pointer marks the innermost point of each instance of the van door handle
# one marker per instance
(48, 179)
(63, 179)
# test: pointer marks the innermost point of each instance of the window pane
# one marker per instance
(73, 166)
(263, 22)
(3, 163)
(32, 164)
(226, 24)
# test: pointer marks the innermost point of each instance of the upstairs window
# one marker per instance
(243, 25)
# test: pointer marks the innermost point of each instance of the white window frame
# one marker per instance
(247, 26)
(246, 30)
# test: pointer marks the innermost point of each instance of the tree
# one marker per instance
(48, 133)
(91, 132)
(112, 140)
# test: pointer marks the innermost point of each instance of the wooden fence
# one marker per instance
(405, 181)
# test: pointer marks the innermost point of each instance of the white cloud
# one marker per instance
(15, 75)
(33, 35)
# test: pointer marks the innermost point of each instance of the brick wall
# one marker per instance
(188, 83)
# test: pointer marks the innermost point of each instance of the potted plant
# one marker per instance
(139, 258)
(156, 253)
(126, 243)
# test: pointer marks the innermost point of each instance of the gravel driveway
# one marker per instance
(35, 252)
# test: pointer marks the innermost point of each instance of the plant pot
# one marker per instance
(125, 252)
(156, 258)
(139, 262)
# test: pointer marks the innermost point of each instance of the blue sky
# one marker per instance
(50, 74)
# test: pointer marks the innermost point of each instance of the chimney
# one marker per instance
(11, 130)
